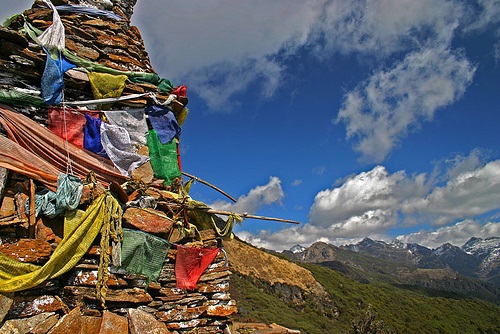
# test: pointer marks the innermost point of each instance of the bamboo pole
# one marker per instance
(210, 185)
(247, 215)
(229, 213)
(32, 208)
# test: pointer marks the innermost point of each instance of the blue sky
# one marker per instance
(357, 118)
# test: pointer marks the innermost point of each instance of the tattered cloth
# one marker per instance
(163, 158)
(67, 124)
(52, 82)
(19, 160)
(164, 122)
(190, 263)
(143, 253)
(134, 121)
(54, 150)
(17, 276)
(118, 146)
(66, 198)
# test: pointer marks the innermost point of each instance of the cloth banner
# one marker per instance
(105, 85)
(164, 122)
(164, 85)
(89, 11)
(51, 148)
(118, 147)
(190, 263)
(163, 158)
(17, 276)
(18, 159)
(14, 97)
(134, 120)
(66, 198)
(53, 37)
(180, 91)
(92, 135)
(143, 253)
(68, 124)
(52, 82)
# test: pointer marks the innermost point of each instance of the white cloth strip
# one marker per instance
(108, 100)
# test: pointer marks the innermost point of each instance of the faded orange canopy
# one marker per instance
(54, 150)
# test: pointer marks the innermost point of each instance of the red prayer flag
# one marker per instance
(180, 91)
(190, 263)
(67, 124)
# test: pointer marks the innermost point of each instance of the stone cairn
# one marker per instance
(69, 303)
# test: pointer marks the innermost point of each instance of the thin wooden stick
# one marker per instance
(229, 213)
(246, 215)
(210, 185)
(32, 208)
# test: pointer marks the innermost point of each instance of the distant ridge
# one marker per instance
(471, 270)
(330, 289)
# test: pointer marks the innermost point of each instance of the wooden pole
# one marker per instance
(246, 215)
(229, 213)
(32, 208)
(210, 185)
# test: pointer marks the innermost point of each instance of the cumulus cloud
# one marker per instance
(268, 194)
(469, 194)
(372, 203)
(381, 111)
(362, 197)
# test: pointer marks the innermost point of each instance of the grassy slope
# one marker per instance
(401, 310)
(407, 311)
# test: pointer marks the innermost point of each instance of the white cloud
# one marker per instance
(388, 26)
(380, 111)
(320, 170)
(268, 194)
(222, 47)
(296, 182)
(372, 203)
(468, 194)
(221, 30)
(463, 164)
(457, 234)
(364, 196)
(487, 14)
(234, 77)
(304, 235)
(225, 46)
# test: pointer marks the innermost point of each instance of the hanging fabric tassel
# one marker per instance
(53, 37)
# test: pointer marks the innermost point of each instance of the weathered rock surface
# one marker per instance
(69, 303)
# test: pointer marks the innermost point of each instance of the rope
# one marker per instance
(69, 166)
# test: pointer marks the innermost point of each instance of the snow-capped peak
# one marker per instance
(297, 249)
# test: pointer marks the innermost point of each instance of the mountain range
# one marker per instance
(369, 287)
(471, 270)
